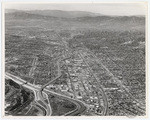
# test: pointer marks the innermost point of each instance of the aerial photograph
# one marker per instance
(75, 59)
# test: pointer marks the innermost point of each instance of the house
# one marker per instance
(64, 88)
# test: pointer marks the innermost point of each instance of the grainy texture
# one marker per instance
(74, 63)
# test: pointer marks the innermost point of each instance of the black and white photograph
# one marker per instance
(75, 59)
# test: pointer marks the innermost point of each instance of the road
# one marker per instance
(34, 63)
(80, 105)
(123, 87)
(100, 87)
(139, 104)
(32, 87)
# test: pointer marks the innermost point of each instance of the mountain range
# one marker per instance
(57, 13)
(77, 19)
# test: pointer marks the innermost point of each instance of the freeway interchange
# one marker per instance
(39, 96)
(41, 93)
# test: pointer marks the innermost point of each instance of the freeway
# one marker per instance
(48, 106)
(32, 87)
(80, 105)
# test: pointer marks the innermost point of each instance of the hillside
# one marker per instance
(76, 20)
(64, 14)
(57, 13)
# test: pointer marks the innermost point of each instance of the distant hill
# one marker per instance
(76, 20)
(25, 15)
(115, 22)
(10, 10)
(58, 13)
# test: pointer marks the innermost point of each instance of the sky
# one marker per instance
(103, 8)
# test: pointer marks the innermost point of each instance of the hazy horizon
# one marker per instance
(118, 9)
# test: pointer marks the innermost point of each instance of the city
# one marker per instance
(65, 66)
